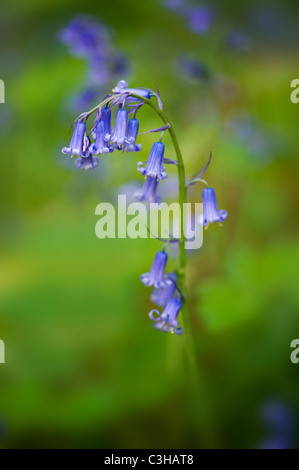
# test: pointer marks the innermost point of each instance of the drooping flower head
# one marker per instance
(77, 141)
(162, 296)
(106, 118)
(87, 161)
(148, 193)
(100, 145)
(154, 165)
(167, 321)
(157, 277)
(130, 145)
(120, 132)
(211, 213)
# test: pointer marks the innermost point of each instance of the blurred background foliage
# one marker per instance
(84, 367)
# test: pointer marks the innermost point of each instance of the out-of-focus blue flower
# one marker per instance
(237, 40)
(83, 99)
(157, 276)
(270, 20)
(193, 69)
(276, 442)
(280, 421)
(89, 39)
(103, 69)
(84, 36)
(148, 193)
(278, 416)
(133, 127)
(98, 70)
(167, 321)
(87, 162)
(120, 132)
(263, 144)
(162, 296)
(100, 145)
(77, 141)
(174, 5)
(199, 19)
(119, 65)
(211, 213)
(154, 165)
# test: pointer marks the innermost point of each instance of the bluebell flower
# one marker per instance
(100, 145)
(167, 321)
(77, 141)
(148, 193)
(162, 296)
(87, 162)
(211, 213)
(157, 276)
(154, 165)
(130, 145)
(120, 132)
(106, 118)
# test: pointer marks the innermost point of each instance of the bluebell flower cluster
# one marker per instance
(89, 39)
(122, 137)
(106, 138)
(116, 127)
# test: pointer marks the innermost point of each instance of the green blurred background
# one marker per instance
(84, 366)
